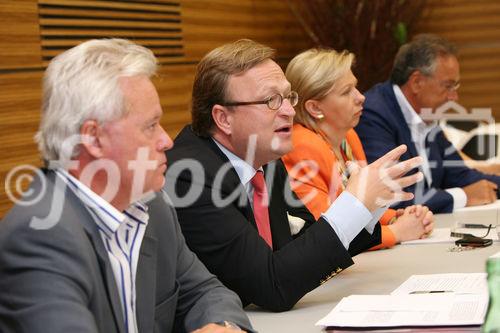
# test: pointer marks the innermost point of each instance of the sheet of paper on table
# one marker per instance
(446, 309)
(454, 299)
(462, 283)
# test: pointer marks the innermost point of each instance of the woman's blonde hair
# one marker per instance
(312, 75)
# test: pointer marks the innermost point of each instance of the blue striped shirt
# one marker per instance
(122, 234)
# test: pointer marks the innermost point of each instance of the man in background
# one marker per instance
(425, 75)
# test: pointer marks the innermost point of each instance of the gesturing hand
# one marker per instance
(381, 182)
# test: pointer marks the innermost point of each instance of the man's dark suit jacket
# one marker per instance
(383, 127)
(226, 239)
(60, 279)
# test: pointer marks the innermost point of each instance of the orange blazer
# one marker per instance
(311, 166)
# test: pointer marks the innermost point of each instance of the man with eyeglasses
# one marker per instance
(232, 194)
(425, 75)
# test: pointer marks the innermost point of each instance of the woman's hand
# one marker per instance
(413, 222)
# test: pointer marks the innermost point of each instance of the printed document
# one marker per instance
(461, 283)
(446, 309)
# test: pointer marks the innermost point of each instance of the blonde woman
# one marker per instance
(324, 140)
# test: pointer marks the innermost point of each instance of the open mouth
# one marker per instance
(284, 129)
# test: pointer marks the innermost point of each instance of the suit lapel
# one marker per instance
(405, 132)
(90, 227)
(146, 283)
(231, 182)
(276, 208)
(214, 163)
(435, 156)
(73, 207)
(400, 120)
(108, 276)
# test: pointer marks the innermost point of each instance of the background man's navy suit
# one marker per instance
(383, 127)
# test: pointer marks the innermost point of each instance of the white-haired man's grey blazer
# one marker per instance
(60, 279)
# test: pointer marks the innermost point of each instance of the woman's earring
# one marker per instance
(320, 116)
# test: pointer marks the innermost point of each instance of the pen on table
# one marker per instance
(475, 226)
(430, 292)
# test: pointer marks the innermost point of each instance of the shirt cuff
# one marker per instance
(376, 216)
(348, 216)
(459, 197)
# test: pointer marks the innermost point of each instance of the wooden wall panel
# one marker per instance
(269, 22)
(20, 97)
(64, 24)
(174, 84)
(19, 37)
(474, 26)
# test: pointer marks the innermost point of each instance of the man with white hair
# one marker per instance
(100, 251)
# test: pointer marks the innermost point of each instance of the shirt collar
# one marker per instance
(244, 170)
(411, 117)
(110, 217)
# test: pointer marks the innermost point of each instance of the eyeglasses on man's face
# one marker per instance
(273, 102)
(450, 86)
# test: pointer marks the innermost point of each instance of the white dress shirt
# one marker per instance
(419, 131)
(347, 215)
(122, 235)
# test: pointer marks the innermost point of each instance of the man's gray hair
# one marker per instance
(82, 84)
(420, 54)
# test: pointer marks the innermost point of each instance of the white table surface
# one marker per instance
(374, 272)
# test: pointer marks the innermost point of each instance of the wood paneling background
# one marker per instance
(474, 26)
(157, 25)
(180, 33)
(19, 34)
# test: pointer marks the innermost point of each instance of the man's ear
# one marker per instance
(313, 107)
(90, 132)
(223, 118)
(416, 81)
